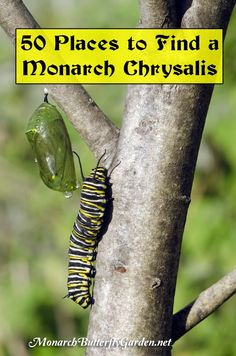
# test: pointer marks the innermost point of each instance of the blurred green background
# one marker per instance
(36, 222)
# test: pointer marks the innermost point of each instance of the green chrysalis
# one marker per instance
(50, 141)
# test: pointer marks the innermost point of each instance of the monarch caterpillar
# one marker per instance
(49, 139)
(89, 226)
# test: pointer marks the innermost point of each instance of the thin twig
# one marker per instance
(87, 118)
(207, 302)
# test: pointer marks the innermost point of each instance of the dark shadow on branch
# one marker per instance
(181, 7)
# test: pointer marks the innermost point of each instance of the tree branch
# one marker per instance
(159, 138)
(207, 302)
(208, 14)
(157, 13)
(87, 118)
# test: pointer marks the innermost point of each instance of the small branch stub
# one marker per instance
(156, 283)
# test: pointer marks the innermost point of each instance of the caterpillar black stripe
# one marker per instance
(90, 225)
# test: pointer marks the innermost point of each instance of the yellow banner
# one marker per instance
(119, 56)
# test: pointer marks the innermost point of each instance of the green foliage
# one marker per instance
(36, 222)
